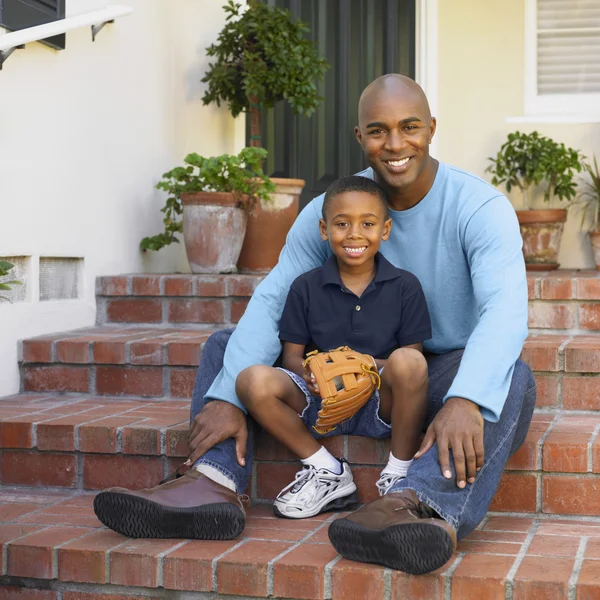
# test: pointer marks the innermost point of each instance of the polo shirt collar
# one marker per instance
(384, 270)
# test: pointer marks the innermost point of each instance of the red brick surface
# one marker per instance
(132, 472)
(301, 566)
(54, 378)
(134, 310)
(38, 469)
(133, 381)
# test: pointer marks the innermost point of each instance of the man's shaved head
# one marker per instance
(395, 128)
(394, 86)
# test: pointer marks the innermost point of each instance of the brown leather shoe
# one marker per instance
(396, 531)
(192, 507)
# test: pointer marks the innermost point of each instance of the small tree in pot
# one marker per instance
(526, 161)
(262, 57)
(208, 201)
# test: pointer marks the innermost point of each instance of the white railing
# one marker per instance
(9, 42)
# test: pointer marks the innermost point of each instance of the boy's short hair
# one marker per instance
(355, 183)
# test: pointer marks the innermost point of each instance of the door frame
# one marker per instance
(426, 67)
(426, 55)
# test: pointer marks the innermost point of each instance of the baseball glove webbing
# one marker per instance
(346, 380)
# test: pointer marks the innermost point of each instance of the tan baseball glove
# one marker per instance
(346, 380)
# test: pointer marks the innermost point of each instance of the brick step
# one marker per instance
(159, 361)
(564, 300)
(53, 543)
(558, 300)
(150, 361)
(174, 299)
(88, 443)
(78, 441)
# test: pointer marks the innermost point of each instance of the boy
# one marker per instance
(359, 299)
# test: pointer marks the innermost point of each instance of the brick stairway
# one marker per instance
(108, 405)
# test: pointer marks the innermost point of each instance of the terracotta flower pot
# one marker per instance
(595, 240)
(541, 231)
(214, 225)
(268, 227)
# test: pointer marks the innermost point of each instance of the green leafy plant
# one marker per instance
(242, 175)
(261, 57)
(527, 160)
(589, 196)
(5, 268)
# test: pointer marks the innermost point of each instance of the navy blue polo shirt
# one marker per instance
(322, 313)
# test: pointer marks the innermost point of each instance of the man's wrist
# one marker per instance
(463, 401)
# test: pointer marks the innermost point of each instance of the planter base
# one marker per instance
(213, 230)
(541, 231)
(268, 227)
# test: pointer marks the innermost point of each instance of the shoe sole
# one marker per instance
(137, 517)
(414, 548)
(335, 504)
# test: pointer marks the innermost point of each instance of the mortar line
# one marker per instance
(270, 569)
(447, 576)
(160, 568)
(328, 577)
(572, 587)
(590, 449)
(214, 573)
(55, 552)
(510, 578)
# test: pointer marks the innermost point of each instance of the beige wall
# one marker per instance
(481, 73)
(86, 134)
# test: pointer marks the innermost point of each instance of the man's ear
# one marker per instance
(323, 230)
(387, 228)
(358, 135)
(432, 128)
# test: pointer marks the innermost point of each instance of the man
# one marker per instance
(460, 237)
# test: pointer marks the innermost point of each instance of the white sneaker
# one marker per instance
(314, 491)
(386, 481)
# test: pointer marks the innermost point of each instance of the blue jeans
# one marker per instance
(462, 508)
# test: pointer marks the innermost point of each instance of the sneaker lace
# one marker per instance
(386, 481)
(300, 479)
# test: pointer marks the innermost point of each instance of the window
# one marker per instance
(21, 14)
(562, 57)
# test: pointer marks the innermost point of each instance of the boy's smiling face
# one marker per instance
(355, 224)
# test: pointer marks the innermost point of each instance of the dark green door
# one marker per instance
(361, 39)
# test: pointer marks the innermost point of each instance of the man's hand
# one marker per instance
(217, 421)
(458, 426)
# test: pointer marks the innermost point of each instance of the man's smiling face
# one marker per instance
(395, 129)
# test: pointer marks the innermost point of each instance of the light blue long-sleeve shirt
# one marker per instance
(463, 243)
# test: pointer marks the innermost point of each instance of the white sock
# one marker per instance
(323, 460)
(396, 466)
(216, 476)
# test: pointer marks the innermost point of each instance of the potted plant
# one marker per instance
(526, 161)
(590, 198)
(213, 196)
(261, 57)
(5, 268)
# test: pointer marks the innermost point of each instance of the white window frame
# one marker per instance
(567, 107)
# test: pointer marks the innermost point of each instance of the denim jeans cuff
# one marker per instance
(217, 467)
(399, 487)
(377, 408)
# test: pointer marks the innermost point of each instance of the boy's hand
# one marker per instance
(309, 378)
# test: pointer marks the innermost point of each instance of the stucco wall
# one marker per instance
(86, 134)
(481, 74)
